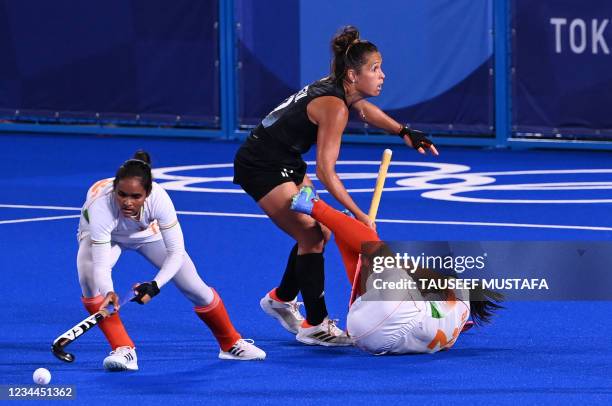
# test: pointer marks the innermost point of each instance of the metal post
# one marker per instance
(503, 105)
(227, 48)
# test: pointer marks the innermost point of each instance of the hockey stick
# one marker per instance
(380, 184)
(61, 342)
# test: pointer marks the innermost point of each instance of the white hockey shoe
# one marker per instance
(243, 350)
(287, 313)
(326, 334)
(121, 359)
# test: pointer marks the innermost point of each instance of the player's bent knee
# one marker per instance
(311, 241)
(203, 297)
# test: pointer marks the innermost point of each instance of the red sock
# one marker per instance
(216, 318)
(306, 324)
(273, 295)
(112, 326)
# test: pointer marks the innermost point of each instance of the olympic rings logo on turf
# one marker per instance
(438, 181)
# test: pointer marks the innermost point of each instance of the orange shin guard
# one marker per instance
(112, 326)
(216, 318)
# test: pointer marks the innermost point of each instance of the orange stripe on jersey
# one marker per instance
(95, 188)
(169, 225)
(449, 303)
(451, 298)
(154, 227)
(454, 338)
(464, 317)
(441, 340)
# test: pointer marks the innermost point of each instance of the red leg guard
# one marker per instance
(112, 326)
(216, 318)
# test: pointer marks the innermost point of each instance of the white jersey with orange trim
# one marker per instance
(104, 225)
(413, 325)
(102, 220)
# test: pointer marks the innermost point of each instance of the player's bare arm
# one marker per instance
(373, 115)
(331, 115)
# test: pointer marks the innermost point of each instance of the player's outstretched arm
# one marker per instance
(374, 116)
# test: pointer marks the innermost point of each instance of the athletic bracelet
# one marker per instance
(404, 131)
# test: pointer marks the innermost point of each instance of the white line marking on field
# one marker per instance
(22, 206)
(72, 216)
(217, 214)
(478, 223)
(263, 216)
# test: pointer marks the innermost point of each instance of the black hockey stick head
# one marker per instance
(61, 342)
(58, 351)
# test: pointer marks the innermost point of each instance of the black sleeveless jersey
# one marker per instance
(289, 125)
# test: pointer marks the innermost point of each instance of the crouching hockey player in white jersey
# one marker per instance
(132, 212)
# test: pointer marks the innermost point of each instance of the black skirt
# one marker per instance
(262, 164)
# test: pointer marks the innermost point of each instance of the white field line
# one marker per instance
(247, 215)
(22, 206)
(479, 223)
(72, 216)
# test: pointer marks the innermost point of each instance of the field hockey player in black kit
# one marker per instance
(270, 168)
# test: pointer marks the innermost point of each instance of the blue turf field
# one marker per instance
(535, 352)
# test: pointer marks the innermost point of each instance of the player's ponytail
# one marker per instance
(137, 167)
(483, 304)
(349, 52)
(143, 156)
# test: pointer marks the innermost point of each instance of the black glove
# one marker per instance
(417, 138)
(146, 288)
